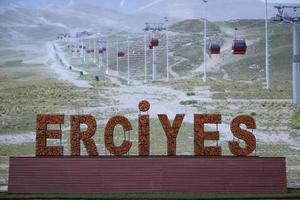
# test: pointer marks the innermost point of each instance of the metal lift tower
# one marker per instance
(100, 45)
(267, 74)
(154, 27)
(294, 19)
(204, 41)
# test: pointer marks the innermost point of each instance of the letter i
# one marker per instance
(144, 129)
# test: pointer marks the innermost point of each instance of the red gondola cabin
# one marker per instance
(121, 54)
(239, 47)
(214, 48)
(154, 42)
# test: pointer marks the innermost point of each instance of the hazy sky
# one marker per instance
(121, 3)
(282, 1)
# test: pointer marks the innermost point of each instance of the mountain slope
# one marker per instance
(29, 23)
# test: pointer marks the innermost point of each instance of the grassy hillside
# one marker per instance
(251, 66)
(193, 26)
(248, 69)
(235, 76)
(27, 88)
(186, 54)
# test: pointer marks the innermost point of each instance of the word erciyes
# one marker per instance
(171, 131)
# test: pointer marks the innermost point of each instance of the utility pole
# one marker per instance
(72, 46)
(282, 16)
(82, 52)
(128, 62)
(204, 42)
(117, 58)
(94, 49)
(154, 27)
(106, 46)
(145, 56)
(296, 65)
(97, 47)
(154, 62)
(267, 48)
(89, 56)
(167, 48)
(100, 59)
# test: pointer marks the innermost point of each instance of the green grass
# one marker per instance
(269, 116)
(188, 102)
(190, 93)
(22, 149)
(29, 89)
(187, 84)
(295, 119)
(29, 98)
(245, 90)
(233, 89)
(291, 194)
(193, 26)
(241, 67)
(191, 52)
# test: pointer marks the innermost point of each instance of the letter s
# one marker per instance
(242, 134)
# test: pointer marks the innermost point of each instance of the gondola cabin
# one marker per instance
(150, 46)
(121, 54)
(154, 42)
(100, 51)
(239, 47)
(214, 48)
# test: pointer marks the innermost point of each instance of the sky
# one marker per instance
(282, 1)
(121, 3)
